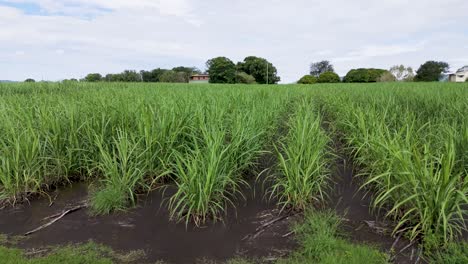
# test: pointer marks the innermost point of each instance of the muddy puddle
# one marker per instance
(147, 227)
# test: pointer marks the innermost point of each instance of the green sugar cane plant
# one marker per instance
(63, 152)
(203, 170)
(426, 193)
(303, 161)
(204, 178)
(412, 163)
(21, 166)
(163, 131)
(122, 169)
(227, 138)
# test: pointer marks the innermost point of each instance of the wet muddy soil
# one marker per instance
(147, 227)
(360, 224)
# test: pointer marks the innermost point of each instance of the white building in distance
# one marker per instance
(460, 76)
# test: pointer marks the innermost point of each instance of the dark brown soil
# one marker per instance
(148, 228)
(360, 225)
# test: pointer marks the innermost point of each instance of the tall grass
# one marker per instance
(408, 146)
(21, 167)
(303, 160)
(205, 179)
(408, 141)
(123, 171)
(227, 137)
(57, 134)
(131, 138)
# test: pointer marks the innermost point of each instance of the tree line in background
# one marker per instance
(320, 72)
(179, 74)
(250, 71)
(253, 70)
(323, 72)
(256, 70)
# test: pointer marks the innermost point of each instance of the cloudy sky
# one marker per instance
(57, 39)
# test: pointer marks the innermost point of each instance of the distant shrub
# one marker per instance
(387, 77)
(29, 80)
(93, 77)
(69, 81)
(173, 77)
(125, 76)
(363, 75)
(242, 77)
(328, 77)
(307, 79)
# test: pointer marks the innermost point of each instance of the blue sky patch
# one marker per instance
(70, 9)
(27, 8)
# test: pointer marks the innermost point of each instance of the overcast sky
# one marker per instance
(58, 39)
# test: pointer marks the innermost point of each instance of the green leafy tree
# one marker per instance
(130, 76)
(146, 76)
(431, 71)
(221, 70)
(262, 70)
(307, 79)
(356, 75)
(29, 80)
(328, 77)
(242, 77)
(153, 75)
(188, 71)
(375, 74)
(112, 78)
(363, 75)
(70, 81)
(317, 68)
(125, 76)
(173, 77)
(93, 77)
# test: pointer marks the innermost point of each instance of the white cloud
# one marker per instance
(109, 36)
(323, 52)
(386, 50)
(379, 51)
